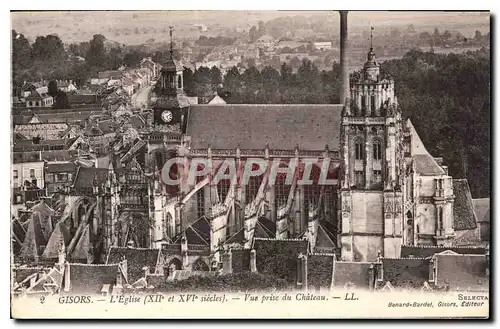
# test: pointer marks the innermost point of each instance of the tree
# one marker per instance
(232, 86)
(253, 34)
(52, 88)
(261, 30)
(96, 53)
(203, 82)
(215, 77)
(61, 100)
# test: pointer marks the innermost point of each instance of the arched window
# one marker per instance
(359, 150)
(377, 150)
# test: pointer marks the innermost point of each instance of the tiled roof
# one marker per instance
(110, 74)
(279, 257)
(428, 251)
(282, 126)
(85, 177)
(462, 272)
(89, 279)
(482, 209)
(60, 234)
(60, 167)
(82, 248)
(463, 209)
(137, 259)
(351, 273)
(238, 237)
(197, 233)
(409, 273)
(319, 270)
(240, 260)
(33, 240)
(83, 98)
(425, 165)
(106, 126)
(268, 226)
(325, 238)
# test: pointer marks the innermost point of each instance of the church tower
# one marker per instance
(168, 109)
(372, 155)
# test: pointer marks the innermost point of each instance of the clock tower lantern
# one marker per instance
(169, 110)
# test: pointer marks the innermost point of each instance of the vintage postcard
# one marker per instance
(263, 164)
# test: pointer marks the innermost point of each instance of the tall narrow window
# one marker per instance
(360, 178)
(363, 103)
(377, 150)
(359, 150)
(200, 202)
(372, 104)
(377, 176)
(16, 174)
(169, 225)
(440, 218)
(179, 82)
(32, 173)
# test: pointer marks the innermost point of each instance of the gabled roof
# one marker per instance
(265, 228)
(351, 273)
(60, 167)
(409, 273)
(60, 234)
(464, 272)
(424, 163)
(85, 177)
(82, 249)
(279, 257)
(482, 209)
(137, 259)
(33, 240)
(463, 208)
(197, 233)
(253, 126)
(89, 279)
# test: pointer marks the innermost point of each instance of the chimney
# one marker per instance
(344, 92)
(227, 262)
(302, 272)
(67, 278)
(253, 261)
(371, 277)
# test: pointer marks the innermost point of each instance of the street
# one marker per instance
(141, 98)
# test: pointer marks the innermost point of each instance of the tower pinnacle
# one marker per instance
(171, 28)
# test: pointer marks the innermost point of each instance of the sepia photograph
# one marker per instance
(250, 164)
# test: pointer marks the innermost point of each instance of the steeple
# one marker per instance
(371, 67)
(171, 81)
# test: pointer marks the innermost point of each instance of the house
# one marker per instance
(322, 45)
(58, 175)
(39, 98)
(66, 85)
(265, 41)
(150, 64)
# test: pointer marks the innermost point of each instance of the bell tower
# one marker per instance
(372, 153)
(168, 108)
